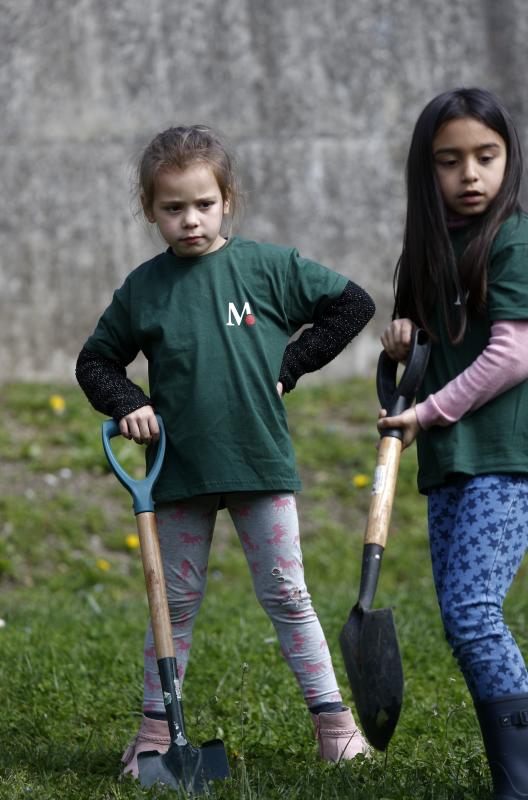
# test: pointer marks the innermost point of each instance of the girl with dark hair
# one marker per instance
(463, 276)
(213, 316)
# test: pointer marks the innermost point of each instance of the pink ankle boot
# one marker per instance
(338, 736)
(152, 735)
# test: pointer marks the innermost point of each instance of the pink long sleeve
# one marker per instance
(501, 365)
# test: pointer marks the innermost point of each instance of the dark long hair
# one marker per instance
(427, 273)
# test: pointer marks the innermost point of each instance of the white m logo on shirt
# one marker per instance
(233, 312)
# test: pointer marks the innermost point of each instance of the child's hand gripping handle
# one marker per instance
(141, 491)
(395, 399)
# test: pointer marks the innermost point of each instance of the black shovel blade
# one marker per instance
(185, 766)
(373, 663)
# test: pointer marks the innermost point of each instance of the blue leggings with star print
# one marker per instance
(478, 530)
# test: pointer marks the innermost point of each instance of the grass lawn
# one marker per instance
(73, 610)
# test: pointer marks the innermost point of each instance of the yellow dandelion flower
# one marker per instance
(103, 564)
(132, 541)
(57, 403)
(360, 481)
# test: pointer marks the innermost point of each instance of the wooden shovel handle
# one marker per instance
(155, 583)
(383, 490)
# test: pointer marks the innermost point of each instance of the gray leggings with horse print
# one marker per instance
(268, 529)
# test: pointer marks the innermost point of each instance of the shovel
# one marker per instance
(368, 640)
(183, 765)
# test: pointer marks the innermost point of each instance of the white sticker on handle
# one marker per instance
(379, 479)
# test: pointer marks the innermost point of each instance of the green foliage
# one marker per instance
(73, 602)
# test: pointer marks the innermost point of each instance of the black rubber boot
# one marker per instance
(504, 725)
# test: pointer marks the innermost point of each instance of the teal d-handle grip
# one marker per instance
(141, 490)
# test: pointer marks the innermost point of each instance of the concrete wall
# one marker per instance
(319, 99)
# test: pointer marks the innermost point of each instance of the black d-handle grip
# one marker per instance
(396, 398)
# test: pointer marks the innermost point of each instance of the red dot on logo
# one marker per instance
(250, 319)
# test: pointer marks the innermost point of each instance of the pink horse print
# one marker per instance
(250, 545)
(190, 538)
(281, 503)
(279, 532)
(283, 564)
(299, 642)
(242, 511)
(315, 668)
(185, 569)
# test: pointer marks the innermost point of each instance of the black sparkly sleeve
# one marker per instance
(106, 385)
(341, 320)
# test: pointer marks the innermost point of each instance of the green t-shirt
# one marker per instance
(213, 330)
(494, 438)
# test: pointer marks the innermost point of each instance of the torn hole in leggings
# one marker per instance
(294, 596)
(277, 573)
